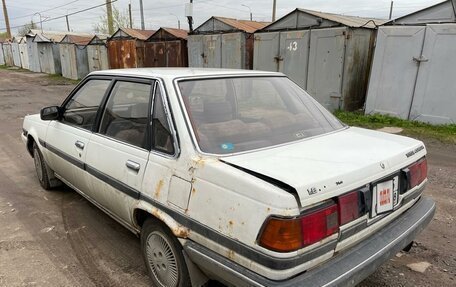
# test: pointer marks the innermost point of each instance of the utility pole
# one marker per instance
(143, 27)
(391, 10)
(189, 15)
(129, 15)
(109, 12)
(68, 23)
(274, 5)
(5, 13)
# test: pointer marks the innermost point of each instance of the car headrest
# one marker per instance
(216, 112)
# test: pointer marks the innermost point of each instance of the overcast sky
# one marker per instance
(159, 12)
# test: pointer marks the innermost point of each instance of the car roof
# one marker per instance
(172, 73)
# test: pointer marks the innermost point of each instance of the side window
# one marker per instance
(126, 114)
(81, 109)
(162, 139)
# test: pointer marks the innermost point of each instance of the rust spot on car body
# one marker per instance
(158, 188)
(181, 232)
(193, 190)
(230, 254)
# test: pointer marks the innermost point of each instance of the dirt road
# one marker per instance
(58, 238)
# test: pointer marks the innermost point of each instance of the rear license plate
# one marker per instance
(385, 196)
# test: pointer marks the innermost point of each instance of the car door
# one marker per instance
(117, 154)
(66, 139)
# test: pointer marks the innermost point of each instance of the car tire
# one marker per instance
(41, 168)
(163, 256)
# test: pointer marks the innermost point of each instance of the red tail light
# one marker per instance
(417, 173)
(348, 207)
(319, 224)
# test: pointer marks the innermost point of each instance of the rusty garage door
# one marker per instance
(122, 54)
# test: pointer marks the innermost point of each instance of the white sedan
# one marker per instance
(236, 176)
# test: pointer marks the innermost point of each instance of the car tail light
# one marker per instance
(417, 173)
(348, 207)
(319, 224)
(286, 235)
(282, 235)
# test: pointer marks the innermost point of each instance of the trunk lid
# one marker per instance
(329, 165)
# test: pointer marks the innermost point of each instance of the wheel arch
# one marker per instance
(146, 211)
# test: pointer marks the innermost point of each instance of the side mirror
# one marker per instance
(50, 113)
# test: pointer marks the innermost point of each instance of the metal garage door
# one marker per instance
(435, 92)
(326, 64)
(413, 73)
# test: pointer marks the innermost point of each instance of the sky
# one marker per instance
(165, 13)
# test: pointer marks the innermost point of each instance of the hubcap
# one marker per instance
(38, 167)
(162, 260)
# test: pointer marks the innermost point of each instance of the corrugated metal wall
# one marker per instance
(74, 61)
(123, 54)
(2, 58)
(16, 54)
(227, 50)
(97, 56)
(49, 57)
(413, 73)
(166, 54)
(332, 64)
(33, 55)
(8, 54)
(24, 56)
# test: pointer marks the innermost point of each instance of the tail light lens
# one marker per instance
(282, 235)
(286, 235)
(348, 207)
(417, 173)
(319, 224)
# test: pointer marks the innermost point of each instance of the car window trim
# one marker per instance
(169, 119)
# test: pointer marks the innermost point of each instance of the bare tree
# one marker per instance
(120, 19)
(26, 28)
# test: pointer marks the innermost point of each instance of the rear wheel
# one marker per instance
(163, 256)
(40, 168)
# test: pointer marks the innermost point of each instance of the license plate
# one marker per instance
(385, 196)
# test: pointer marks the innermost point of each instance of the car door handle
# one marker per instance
(133, 165)
(79, 145)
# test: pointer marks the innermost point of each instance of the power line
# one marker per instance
(64, 16)
(47, 10)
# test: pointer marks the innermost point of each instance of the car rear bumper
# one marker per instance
(345, 269)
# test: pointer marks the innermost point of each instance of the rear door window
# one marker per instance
(126, 114)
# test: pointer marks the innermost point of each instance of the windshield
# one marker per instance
(232, 115)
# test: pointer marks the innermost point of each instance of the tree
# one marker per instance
(120, 19)
(26, 28)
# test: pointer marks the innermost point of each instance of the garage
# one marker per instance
(414, 66)
(326, 54)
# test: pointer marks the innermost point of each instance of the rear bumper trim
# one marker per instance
(345, 269)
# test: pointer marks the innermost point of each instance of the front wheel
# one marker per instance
(163, 256)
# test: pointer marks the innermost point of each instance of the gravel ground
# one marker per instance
(58, 238)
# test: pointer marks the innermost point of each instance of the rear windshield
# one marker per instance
(233, 115)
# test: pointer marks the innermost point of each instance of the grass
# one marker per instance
(57, 79)
(443, 133)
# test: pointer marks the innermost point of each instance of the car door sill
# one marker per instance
(125, 224)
